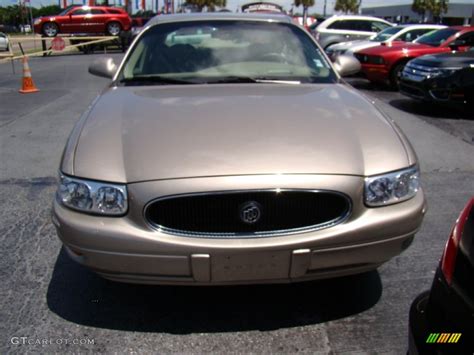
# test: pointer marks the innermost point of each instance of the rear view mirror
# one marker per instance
(103, 67)
(346, 65)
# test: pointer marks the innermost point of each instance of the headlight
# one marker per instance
(376, 60)
(37, 21)
(444, 71)
(92, 197)
(391, 188)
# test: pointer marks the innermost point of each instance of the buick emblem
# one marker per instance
(250, 212)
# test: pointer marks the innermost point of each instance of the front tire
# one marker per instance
(395, 75)
(50, 29)
(114, 28)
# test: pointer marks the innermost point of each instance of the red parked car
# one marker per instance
(386, 62)
(85, 19)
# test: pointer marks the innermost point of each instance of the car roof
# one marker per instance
(354, 17)
(78, 6)
(206, 16)
(424, 25)
(460, 28)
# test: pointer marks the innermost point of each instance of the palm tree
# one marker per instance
(347, 6)
(306, 4)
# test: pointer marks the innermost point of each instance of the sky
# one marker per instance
(234, 4)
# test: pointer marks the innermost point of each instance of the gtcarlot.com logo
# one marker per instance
(441, 338)
(50, 341)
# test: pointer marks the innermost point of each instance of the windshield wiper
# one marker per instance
(249, 79)
(156, 79)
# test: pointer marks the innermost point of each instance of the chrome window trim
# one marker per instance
(266, 234)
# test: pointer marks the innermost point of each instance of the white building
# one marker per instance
(460, 12)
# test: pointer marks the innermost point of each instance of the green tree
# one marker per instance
(347, 6)
(46, 11)
(306, 5)
(435, 7)
(209, 4)
(420, 7)
(438, 7)
(11, 15)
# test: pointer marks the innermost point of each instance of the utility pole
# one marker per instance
(324, 8)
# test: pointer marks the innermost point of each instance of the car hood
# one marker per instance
(397, 46)
(351, 45)
(444, 60)
(160, 132)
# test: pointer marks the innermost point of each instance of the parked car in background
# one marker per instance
(385, 63)
(9, 28)
(312, 27)
(310, 20)
(85, 19)
(338, 29)
(443, 78)
(442, 319)
(25, 28)
(4, 43)
(149, 193)
(403, 33)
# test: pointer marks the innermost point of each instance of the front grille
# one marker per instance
(418, 72)
(248, 213)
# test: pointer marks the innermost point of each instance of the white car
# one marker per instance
(3, 42)
(338, 29)
(405, 33)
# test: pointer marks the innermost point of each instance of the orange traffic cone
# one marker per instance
(28, 84)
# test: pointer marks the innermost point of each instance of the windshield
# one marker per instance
(437, 37)
(225, 51)
(386, 34)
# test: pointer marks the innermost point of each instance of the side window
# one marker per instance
(413, 34)
(468, 38)
(363, 26)
(340, 25)
(334, 25)
(81, 12)
(377, 26)
(97, 12)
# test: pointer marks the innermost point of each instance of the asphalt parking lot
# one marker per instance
(50, 304)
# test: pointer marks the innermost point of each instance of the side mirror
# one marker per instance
(456, 44)
(103, 67)
(346, 65)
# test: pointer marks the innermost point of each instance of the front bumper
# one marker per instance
(37, 28)
(432, 90)
(375, 72)
(128, 249)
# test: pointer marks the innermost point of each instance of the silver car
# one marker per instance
(228, 150)
(345, 28)
(4, 43)
(405, 33)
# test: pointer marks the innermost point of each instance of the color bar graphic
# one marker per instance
(442, 338)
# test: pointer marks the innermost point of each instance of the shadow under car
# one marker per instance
(80, 296)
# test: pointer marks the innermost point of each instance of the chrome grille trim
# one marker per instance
(420, 71)
(266, 234)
